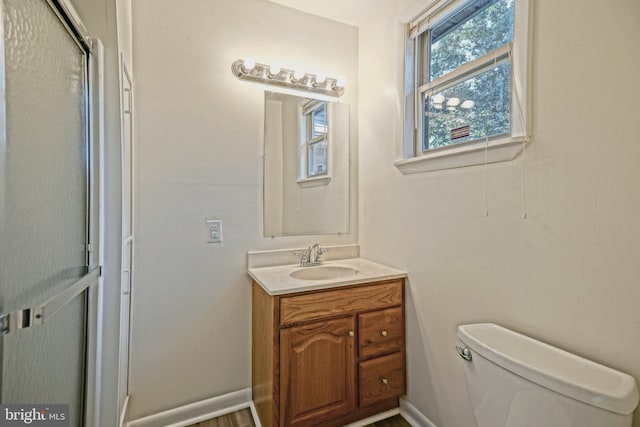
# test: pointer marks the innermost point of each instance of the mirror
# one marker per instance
(306, 166)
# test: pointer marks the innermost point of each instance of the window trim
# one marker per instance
(467, 70)
(491, 150)
(306, 141)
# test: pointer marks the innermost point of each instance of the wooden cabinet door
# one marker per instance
(317, 372)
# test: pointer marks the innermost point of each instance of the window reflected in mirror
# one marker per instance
(314, 150)
(306, 166)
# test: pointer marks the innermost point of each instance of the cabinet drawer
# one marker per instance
(339, 302)
(381, 378)
(380, 332)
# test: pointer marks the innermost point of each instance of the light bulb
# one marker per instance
(321, 78)
(341, 81)
(438, 99)
(453, 102)
(298, 74)
(274, 69)
(467, 104)
(249, 63)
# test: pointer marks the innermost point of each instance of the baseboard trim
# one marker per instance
(123, 414)
(199, 411)
(231, 402)
(254, 414)
(413, 415)
(375, 418)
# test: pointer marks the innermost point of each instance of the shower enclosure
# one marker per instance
(49, 208)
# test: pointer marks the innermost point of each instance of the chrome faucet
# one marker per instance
(311, 256)
(314, 254)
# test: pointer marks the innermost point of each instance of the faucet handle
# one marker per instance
(318, 251)
(304, 256)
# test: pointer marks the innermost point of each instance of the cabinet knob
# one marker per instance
(383, 333)
(384, 381)
(351, 333)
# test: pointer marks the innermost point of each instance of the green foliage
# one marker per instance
(484, 31)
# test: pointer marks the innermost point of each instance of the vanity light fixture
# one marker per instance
(438, 99)
(248, 69)
(451, 104)
(274, 71)
(249, 64)
(298, 75)
(467, 104)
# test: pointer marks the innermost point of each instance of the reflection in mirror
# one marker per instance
(306, 166)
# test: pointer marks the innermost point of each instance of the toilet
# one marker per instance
(516, 381)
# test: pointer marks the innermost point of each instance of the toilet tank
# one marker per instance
(516, 381)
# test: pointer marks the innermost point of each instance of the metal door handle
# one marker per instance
(25, 318)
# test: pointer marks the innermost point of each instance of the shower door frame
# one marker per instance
(94, 101)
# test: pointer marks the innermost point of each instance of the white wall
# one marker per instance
(569, 274)
(199, 135)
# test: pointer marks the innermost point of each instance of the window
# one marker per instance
(465, 84)
(314, 147)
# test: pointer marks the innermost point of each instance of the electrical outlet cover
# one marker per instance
(214, 230)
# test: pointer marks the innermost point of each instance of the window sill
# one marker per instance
(501, 150)
(314, 182)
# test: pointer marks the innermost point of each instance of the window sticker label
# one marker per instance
(461, 132)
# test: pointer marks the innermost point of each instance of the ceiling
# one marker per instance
(352, 12)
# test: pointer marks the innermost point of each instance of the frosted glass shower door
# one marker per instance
(44, 208)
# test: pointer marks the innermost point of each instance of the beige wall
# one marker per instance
(125, 41)
(569, 274)
(200, 135)
(273, 189)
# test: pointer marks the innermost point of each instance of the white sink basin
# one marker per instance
(284, 279)
(323, 272)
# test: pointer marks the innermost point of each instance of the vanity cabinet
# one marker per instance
(328, 357)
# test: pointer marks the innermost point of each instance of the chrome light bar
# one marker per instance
(248, 69)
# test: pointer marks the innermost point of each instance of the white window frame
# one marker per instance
(491, 150)
(307, 140)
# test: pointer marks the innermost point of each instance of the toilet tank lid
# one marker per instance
(553, 368)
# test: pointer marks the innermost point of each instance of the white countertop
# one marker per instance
(277, 280)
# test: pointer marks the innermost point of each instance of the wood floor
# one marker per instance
(243, 418)
(240, 418)
(396, 421)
